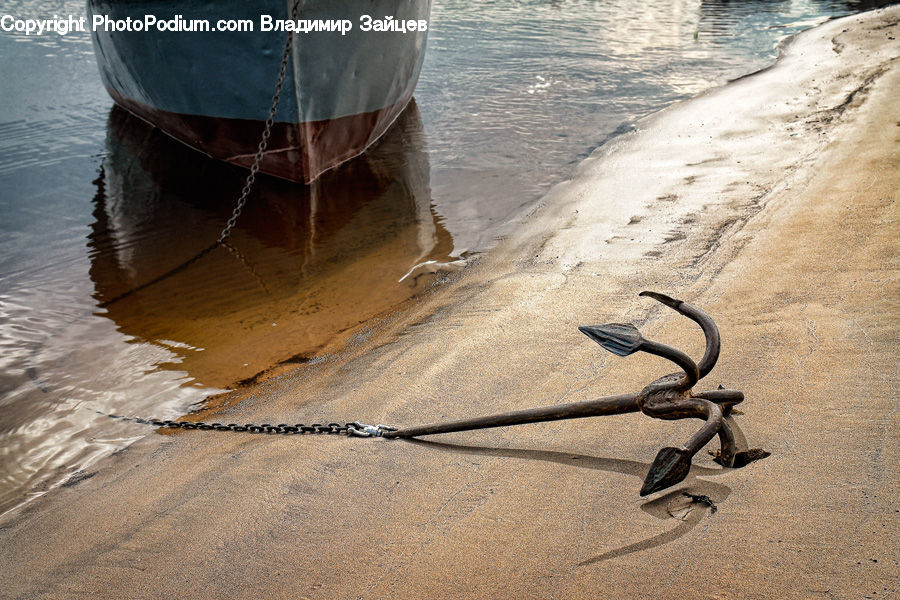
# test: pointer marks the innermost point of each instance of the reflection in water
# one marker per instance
(302, 265)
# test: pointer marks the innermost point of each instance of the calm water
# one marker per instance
(94, 203)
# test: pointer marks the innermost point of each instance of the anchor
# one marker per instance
(670, 397)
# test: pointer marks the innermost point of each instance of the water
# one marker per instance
(94, 203)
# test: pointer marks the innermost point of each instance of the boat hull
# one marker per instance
(213, 90)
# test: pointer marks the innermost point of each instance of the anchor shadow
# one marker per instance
(671, 505)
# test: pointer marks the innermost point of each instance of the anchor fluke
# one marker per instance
(670, 467)
(621, 339)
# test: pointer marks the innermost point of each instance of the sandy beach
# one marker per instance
(770, 202)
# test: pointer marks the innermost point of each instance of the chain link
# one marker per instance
(266, 134)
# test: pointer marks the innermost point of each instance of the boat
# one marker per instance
(212, 89)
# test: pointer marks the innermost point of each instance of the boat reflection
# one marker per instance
(303, 265)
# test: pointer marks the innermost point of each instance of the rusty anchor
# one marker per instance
(669, 397)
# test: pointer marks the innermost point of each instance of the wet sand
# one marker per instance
(771, 203)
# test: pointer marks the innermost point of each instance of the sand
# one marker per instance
(770, 202)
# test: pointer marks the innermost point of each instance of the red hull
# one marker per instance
(298, 152)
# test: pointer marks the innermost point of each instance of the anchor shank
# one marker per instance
(609, 405)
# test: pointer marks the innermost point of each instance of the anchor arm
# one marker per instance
(623, 339)
(673, 464)
(691, 373)
(727, 398)
(713, 414)
(710, 330)
(727, 445)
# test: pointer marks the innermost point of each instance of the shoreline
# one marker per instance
(739, 201)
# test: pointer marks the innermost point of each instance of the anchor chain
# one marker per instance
(266, 134)
(352, 429)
